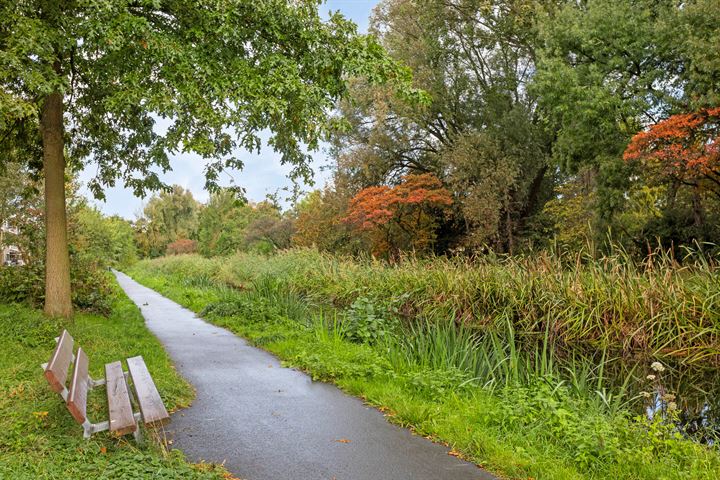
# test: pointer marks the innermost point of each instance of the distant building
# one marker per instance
(9, 254)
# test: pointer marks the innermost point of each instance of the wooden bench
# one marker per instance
(120, 397)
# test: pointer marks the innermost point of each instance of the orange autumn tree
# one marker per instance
(685, 149)
(402, 217)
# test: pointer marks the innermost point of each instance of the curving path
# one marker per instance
(265, 422)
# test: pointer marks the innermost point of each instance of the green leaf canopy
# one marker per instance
(218, 71)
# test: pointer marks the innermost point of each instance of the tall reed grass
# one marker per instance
(660, 308)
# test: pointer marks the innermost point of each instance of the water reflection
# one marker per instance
(686, 395)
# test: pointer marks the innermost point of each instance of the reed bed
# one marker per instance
(660, 308)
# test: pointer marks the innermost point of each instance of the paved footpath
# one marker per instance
(265, 422)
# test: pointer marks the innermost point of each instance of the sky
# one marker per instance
(262, 175)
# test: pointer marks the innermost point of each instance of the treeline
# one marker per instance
(545, 125)
(173, 222)
(564, 125)
(548, 123)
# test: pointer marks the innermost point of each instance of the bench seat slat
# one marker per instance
(151, 405)
(120, 411)
(77, 397)
(57, 368)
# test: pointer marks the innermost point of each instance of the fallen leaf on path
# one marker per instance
(455, 453)
(229, 476)
(343, 440)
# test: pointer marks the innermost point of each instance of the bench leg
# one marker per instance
(90, 428)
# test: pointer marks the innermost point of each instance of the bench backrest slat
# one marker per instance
(120, 411)
(59, 364)
(77, 398)
(151, 405)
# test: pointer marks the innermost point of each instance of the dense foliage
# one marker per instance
(533, 105)
(174, 222)
(481, 135)
(166, 218)
(96, 243)
(654, 309)
(402, 217)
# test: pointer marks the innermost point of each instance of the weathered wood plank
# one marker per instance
(119, 407)
(59, 364)
(77, 396)
(151, 405)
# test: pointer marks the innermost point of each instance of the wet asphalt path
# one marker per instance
(265, 422)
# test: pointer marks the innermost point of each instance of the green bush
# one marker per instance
(90, 285)
(22, 284)
(367, 323)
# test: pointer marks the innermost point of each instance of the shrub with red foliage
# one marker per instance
(180, 246)
(685, 147)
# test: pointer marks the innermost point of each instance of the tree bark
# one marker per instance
(58, 301)
(672, 193)
(509, 230)
(698, 214)
(534, 192)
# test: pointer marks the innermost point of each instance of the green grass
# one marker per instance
(38, 437)
(432, 378)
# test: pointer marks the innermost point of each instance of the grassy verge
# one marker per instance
(38, 437)
(534, 427)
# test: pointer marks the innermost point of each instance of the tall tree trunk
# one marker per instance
(533, 196)
(698, 214)
(672, 193)
(57, 260)
(509, 231)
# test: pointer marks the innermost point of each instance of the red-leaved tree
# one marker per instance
(683, 152)
(402, 217)
(685, 148)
